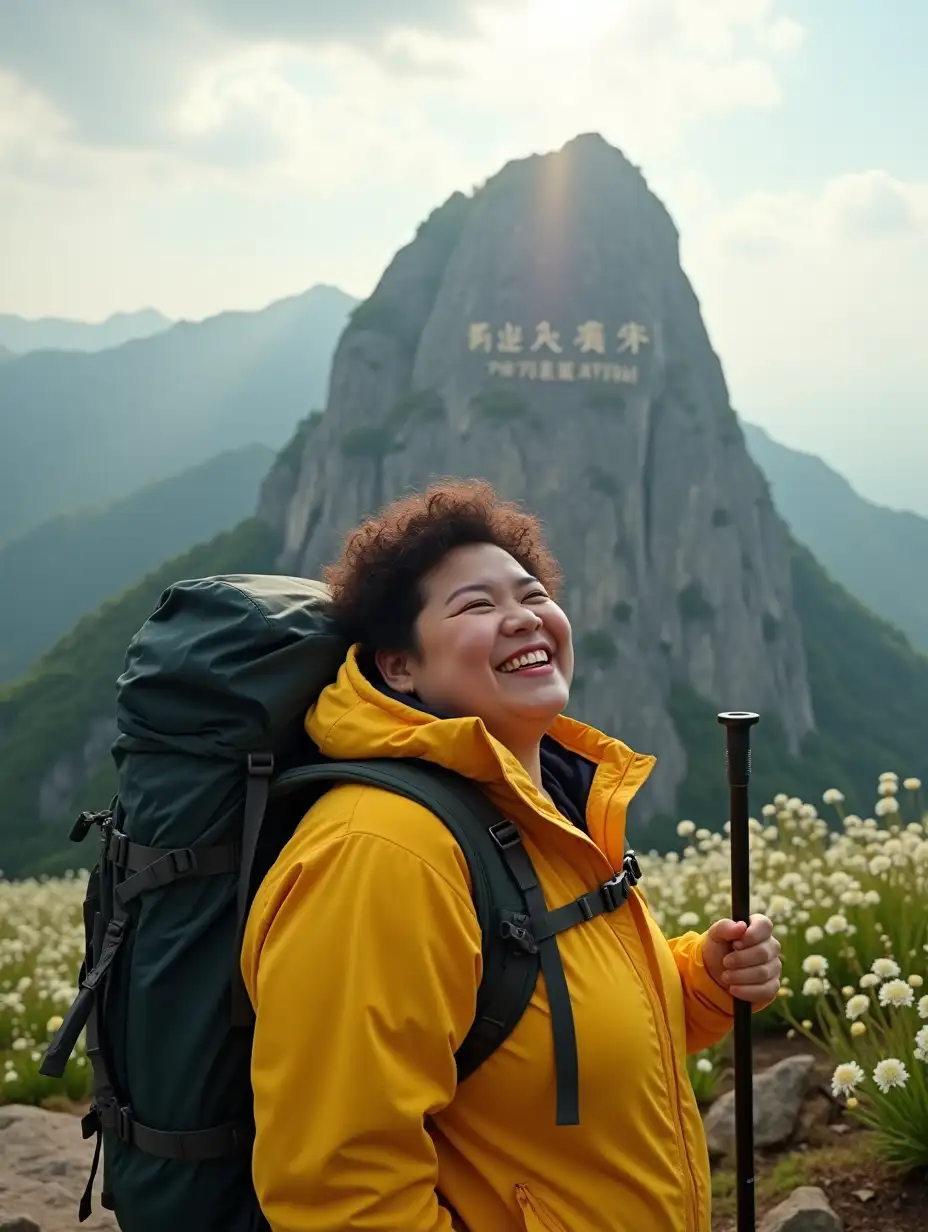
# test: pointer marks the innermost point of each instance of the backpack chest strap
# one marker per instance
(537, 933)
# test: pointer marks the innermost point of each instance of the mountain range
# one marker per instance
(87, 429)
(741, 572)
(59, 571)
(21, 334)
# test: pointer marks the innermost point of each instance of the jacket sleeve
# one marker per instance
(362, 962)
(709, 1007)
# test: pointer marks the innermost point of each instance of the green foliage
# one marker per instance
(419, 406)
(622, 612)
(693, 603)
(54, 574)
(721, 517)
(369, 442)
(47, 713)
(598, 646)
(500, 405)
(608, 401)
(868, 695)
(444, 225)
(378, 314)
(871, 551)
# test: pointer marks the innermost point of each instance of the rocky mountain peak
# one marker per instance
(542, 334)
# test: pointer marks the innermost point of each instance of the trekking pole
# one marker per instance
(738, 724)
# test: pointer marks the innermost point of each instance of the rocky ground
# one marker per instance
(44, 1166)
(824, 1175)
(815, 1169)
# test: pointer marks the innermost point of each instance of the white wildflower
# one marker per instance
(888, 787)
(896, 993)
(686, 828)
(923, 1007)
(890, 1072)
(815, 964)
(921, 1044)
(857, 1005)
(885, 968)
(689, 919)
(833, 796)
(889, 804)
(835, 924)
(911, 784)
(704, 1065)
(813, 987)
(846, 1078)
(814, 934)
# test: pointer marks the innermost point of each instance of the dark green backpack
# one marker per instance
(214, 772)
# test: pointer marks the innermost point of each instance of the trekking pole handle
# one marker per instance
(738, 724)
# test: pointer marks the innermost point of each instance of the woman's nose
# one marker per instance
(523, 618)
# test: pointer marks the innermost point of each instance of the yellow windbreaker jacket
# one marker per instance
(362, 959)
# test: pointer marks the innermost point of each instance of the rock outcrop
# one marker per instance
(44, 1166)
(779, 1094)
(542, 335)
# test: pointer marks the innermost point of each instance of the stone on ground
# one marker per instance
(778, 1097)
(805, 1210)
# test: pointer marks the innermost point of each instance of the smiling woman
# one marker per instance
(461, 656)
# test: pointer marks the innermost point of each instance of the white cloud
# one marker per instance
(532, 74)
(815, 302)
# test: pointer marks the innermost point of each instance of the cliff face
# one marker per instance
(543, 335)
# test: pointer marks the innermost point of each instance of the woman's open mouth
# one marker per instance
(537, 662)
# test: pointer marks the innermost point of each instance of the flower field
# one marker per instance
(849, 898)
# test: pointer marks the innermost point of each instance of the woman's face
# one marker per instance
(482, 615)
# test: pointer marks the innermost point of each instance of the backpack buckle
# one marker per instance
(261, 765)
(631, 868)
(512, 930)
(505, 834)
(615, 892)
(116, 847)
(81, 827)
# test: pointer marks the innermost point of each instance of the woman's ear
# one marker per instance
(393, 665)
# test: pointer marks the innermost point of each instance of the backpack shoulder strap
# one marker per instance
(519, 933)
(510, 960)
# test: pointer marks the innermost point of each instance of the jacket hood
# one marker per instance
(592, 776)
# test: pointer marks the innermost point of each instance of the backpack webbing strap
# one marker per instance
(152, 868)
(607, 898)
(566, 1067)
(257, 790)
(190, 1146)
(539, 931)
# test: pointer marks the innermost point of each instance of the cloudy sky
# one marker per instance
(195, 155)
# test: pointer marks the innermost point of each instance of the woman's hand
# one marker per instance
(744, 959)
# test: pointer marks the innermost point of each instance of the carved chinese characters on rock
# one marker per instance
(545, 352)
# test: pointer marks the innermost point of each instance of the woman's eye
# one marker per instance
(536, 594)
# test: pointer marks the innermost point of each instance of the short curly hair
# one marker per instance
(376, 582)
